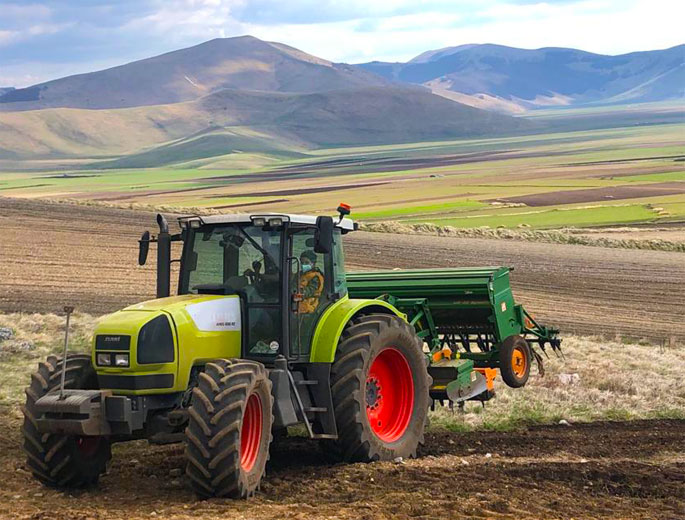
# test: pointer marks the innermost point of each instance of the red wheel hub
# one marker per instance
(251, 432)
(389, 395)
(88, 445)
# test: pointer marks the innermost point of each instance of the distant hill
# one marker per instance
(5, 90)
(245, 63)
(510, 79)
(231, 121)
(227, 96)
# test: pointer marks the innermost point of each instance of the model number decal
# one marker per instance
(216, 315)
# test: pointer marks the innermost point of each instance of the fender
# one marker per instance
(334, 319)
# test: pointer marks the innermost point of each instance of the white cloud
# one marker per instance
(597, 26)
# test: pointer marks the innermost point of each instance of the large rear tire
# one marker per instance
(380, 388)
(514, 361)
(59, 460)
(229, 431)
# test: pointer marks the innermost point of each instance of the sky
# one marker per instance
(47, 39)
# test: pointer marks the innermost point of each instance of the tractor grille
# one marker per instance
(112, 342)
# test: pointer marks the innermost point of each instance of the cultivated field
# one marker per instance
(53, 254)
(509, 460)
(630, 171)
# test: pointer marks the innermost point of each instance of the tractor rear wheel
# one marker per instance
(514, 361)
(229, 431)
(58, 459)
(380, 388)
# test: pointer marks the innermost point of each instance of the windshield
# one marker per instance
(234, 258)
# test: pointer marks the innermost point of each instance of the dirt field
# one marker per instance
(638, 191)
(53, 254)
(602, 470)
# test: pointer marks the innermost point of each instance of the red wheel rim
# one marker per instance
(251, 432)
(389, 395)
(87, 445)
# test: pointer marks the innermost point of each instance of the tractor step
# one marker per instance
(315, 409)
(306, 382)
(324, 436)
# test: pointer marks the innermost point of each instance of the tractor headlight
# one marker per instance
(104, 360)
(121, 360)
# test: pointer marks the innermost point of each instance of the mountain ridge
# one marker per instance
(231, 120)
(244, 62)
(535, 78)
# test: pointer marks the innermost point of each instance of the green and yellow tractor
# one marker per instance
(267, 331)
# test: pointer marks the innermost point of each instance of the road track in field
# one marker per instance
(53, 254)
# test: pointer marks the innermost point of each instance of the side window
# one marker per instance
(312, 267)
(308, 283)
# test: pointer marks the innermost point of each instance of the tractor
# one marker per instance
(268, 331)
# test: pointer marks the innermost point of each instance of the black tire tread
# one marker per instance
(348, 384)
(48, 455)
(213, 432)
(506, 349)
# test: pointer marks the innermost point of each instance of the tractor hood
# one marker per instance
(169, 335)
(169, 304)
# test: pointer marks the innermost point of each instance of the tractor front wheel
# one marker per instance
(380, 388)
(55, 459)
(514, 361)
(229, 431)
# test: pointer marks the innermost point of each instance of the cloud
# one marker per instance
(51, 38)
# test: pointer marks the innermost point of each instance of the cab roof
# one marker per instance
(237, 218)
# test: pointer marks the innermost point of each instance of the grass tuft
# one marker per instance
(556, 236)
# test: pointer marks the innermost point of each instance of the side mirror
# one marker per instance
(323, 243)
(143, 248)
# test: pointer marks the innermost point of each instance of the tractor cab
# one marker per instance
(286, 269)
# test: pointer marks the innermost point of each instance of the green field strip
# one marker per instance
(656, 177)
(446, 207)
(555, 218)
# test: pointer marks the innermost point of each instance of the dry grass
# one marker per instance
(616, 381)
(46, 333)
(556, 236)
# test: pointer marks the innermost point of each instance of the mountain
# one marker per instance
(511, 79)
(223, 97)
(245, 63)
(235, 121)
(4, 90)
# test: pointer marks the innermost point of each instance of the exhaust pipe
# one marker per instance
(163, 258)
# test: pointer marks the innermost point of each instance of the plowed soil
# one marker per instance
(552, 198)
(602, 470)
(54, 254)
